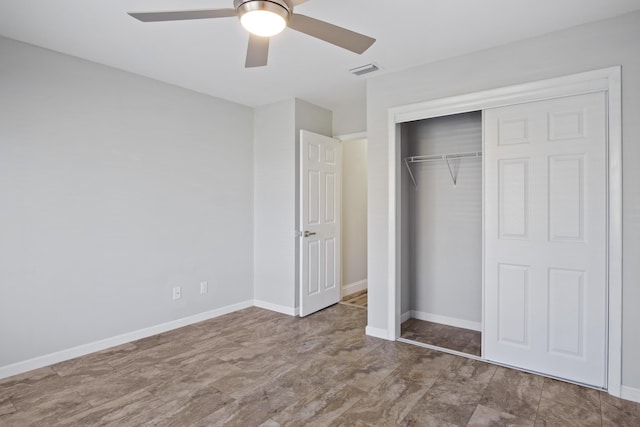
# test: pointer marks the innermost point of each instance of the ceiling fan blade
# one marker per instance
(257, 52)
(182, 15)
(297, 2)
(347, 39)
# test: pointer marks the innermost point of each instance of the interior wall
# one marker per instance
(445, 220)
(354, 215)
(274, 211)
(586, 47)
(114, 188)
(276, 198)
(351, 118)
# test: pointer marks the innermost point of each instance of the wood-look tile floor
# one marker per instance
(358, 299)
(259, 368)
(458, 339)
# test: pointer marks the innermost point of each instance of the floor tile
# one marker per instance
(6, 407)
(189, 410)
(320, 409)
(47, 408)
(243, 382)
(619, 412)
(425, 366)
(367, 372)
(570, 395)
(445, 406)
(387, 404)
(556, 413)
(235, 415)
(484, 416)
(413, 419)
(514, 392)
(114, 410)
(437, 334)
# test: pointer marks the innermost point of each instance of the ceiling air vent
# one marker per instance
(365, 69)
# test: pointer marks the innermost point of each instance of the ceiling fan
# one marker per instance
(266, 18)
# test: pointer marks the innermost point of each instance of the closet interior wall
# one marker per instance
(442, 222)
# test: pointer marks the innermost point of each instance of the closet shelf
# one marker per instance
(439, 157)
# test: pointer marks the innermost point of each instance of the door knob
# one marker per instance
(309, 233)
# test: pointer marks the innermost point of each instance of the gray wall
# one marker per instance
(445, 221)
(351, 118)
(587, 47)
(276, 196)
(354, 211)
(113, 189)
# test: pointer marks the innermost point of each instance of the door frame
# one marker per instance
(606, 80)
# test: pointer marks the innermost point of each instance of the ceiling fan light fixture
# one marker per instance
(263, 18)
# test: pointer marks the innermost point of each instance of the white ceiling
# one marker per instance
(208, 55)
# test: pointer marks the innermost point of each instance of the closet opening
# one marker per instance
(441, 226)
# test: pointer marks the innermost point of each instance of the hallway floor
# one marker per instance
(358, 299)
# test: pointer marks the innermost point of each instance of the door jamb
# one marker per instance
(603, 80)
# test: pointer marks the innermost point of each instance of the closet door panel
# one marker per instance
(513, 304)
(513, 184)
(513, 130)
(566, 198)
(547, 211)
(566, 312)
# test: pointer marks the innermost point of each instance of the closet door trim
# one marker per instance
(604, 80)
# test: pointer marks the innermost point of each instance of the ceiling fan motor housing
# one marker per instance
(279, 7)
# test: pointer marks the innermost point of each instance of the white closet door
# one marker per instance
(545, 237)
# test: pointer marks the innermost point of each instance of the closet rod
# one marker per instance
(438, 157)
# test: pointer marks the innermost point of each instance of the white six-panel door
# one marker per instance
(546, 237)
(320, 198)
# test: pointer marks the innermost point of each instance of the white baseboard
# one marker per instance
(445, 320)
(405, 316)
(352, 288)
(630, 393)
(84, 349)
(376, 332)
(277, 308)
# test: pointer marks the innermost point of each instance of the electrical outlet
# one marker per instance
(177, 293)
(204, 287)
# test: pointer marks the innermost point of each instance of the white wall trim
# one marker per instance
(376, 332)
(603, 80)
(405, 316)
(581, 83)
(614, 357)
(351, 136)
(446, 320)
(277, 308)
(630, 393)
(84, 349)
(352, 288)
